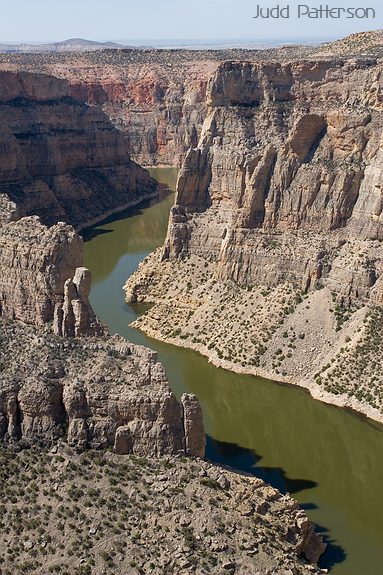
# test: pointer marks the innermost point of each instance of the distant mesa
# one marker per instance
(70, 45)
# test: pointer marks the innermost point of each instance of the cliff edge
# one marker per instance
(61, 159)
(275, 236)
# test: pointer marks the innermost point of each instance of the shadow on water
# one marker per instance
(246, 460)
(88, 234)
(91, 233)
(334, 554)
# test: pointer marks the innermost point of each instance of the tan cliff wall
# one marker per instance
(60, 158)
(287, 171)
(96, 392)
(158, 97)
(42, 280)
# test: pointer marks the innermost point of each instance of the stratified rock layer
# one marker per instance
(273, 255)
(60, 158)
(97, 392)
(291, 154)
(158, 97)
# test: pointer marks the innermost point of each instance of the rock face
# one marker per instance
(276, 232)
(193, 425)
(290, 154)
(37, 264)
(160, 107)
(60, 158)
(97, 392)
(158, 97)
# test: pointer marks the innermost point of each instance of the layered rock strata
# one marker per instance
(60, 158)
(281, 198)
(96, 392)
(42, 281)
(157, 97)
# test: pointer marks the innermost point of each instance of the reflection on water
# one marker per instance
(328, 458)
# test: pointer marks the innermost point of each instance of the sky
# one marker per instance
(52, 20)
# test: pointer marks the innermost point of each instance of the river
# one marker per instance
(329, 459)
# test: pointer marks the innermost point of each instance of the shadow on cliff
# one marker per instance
(247, 460)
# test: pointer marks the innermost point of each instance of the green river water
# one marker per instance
(329, 459)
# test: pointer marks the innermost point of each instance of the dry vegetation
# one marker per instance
(97, 513)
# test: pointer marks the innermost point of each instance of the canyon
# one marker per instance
(278, 217)
(272, 266)
(67, 386)
(63, 160)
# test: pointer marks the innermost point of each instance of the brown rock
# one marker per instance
(62, 159)
(193, 425)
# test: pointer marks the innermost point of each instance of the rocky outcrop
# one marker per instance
(37, 264)
(75, 317)
(60, 158)
(96, 393)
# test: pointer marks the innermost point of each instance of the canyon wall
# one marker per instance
(160, 109)
(61, 159)
(273, 260)
(157, 98)
(287, 171)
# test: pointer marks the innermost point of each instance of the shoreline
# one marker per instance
(357, 409)
(101, 219)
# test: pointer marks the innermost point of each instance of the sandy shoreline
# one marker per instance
(278, 334)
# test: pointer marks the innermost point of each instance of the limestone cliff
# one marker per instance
(290, 154)
(273, 256)
(60, 158)
(98, 393)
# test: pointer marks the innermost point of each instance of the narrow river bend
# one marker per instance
(330, 460)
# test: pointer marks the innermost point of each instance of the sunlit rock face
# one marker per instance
(290, 156)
